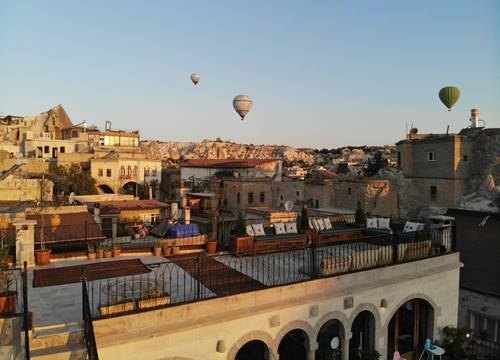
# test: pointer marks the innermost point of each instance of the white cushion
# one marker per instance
(328, 223)
(250, 231)
(279, 228)
(384, 223)
(258, 229)
(420, 227)
(321, 224)
(311, 224)
(411, 226)
(372, 223)
(291, 228)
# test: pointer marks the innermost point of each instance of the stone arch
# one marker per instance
(253, 335)
(295, 325)
(367, 307)
(332, 315)
(432, 303)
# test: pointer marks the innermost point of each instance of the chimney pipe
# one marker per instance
(474, 118)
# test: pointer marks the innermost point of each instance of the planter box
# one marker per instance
(241, 245)
(150, 303)
(116, 308)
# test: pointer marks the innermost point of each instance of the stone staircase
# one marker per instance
(63, 342)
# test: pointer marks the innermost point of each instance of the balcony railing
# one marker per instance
(183, 279)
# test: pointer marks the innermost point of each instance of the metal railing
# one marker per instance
(485, 349)
(179, 280)
(88, 328)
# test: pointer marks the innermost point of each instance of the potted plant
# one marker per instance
(211, 246)
(167, 250)
(116, 250)
(107, 251)
(116, 306)
(175, 248)
(42, 255)
(239, 241)
(91, 251)
(99, 250)
(359, 216)
(152, 297)
(8, 298)
(157, 248)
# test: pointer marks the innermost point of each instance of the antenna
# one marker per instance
(447, 129)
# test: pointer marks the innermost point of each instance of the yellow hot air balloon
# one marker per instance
(195, 77)
(242, 104)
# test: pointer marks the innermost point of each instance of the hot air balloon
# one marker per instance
(195, 77)
(449, 96)
(242, 104)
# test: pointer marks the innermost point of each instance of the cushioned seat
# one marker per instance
(277, 237)
(337, 230)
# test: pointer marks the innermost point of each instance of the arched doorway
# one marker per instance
(328, 348)
(253, 350)
(104, 189)
(363, 335)
(131, 187)
(294, 345)
(410, 325)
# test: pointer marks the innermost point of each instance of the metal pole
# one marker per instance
(25, 312)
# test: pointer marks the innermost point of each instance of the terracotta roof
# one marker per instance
(226, 163)
(327, 174)
(74, 227)
(116, 206)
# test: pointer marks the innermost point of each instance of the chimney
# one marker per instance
(474, 118)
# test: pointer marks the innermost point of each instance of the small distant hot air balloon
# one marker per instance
(242, 104)
(449, 96)
(195, 77)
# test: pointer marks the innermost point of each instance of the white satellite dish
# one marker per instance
(289, 205)
(335, 343)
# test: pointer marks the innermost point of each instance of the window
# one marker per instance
(483, 325)
(135, 171)
(238, 198)
(465, 158)
(46, 149)
(154, 172)
(434, 192)
(250, 197)
(262, 197)
(154, 218)
(108, 172)
(74, 133)
(129, 170)
(298, 193)
(99, 172)
(146, 171)
(317, 204)
(62, 149)
(431, 156)
(349, 191)
(122, 171)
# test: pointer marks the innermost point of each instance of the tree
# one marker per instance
(359, 216)
(343, 168)
(304, 219)
(72, 179)
(240, 228)
(375, 164)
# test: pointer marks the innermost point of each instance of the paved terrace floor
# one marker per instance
(221, 275)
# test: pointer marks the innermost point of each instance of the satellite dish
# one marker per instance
(335, 343)
(289, 205)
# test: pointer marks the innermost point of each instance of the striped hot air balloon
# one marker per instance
(449, 95)
(242, 104)
(195, 77)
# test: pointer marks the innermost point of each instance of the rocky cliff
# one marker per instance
(208, 149)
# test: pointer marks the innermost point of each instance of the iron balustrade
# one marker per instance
(88, 328)
(485, 349)
(189, 278)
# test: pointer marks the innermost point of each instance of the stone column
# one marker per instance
(345, 352)
(312, 350)
(25, 241)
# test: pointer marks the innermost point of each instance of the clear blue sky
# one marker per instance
(321, 73)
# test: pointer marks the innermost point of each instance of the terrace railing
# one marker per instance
(88, 328)
(189, 278)
(485, 349)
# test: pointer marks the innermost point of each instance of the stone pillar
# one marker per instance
(25, 241)
(114, 228)
(345, 352)
(381, 343)
(312, 350)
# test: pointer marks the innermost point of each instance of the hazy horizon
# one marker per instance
(322, 74)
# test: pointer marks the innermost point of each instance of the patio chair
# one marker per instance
(397, 356)
(431, 350)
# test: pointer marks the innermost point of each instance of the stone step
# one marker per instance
(63, 352)
(56, 336)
